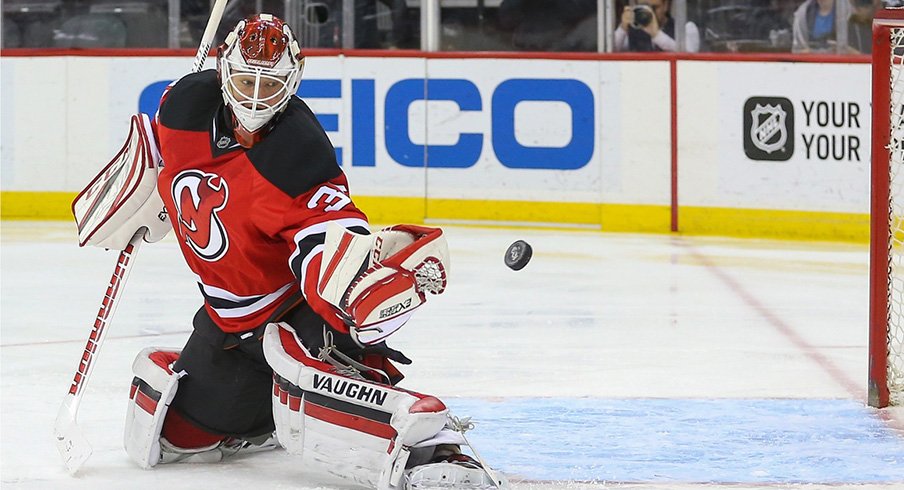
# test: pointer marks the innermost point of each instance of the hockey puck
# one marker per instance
(518, 255)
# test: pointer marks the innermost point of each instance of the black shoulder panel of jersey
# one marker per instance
(297, 154)
(190, 104)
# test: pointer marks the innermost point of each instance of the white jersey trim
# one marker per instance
(304, 266)
(313, 230)
(262, 301)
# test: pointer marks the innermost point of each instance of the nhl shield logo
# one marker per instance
(768, 131)
(223, 142)
(768, 128)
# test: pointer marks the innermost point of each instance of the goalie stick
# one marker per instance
(71, 441)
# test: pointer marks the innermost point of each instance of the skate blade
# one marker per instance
(440, 476)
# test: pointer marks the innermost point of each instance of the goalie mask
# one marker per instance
(259, 66)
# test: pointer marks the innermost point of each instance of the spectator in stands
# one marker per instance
(319, 24)
(541, 25)
(813, 27)
(648, 26)
(402, 34)
(367, 32)
(860, 25)
(12, 35)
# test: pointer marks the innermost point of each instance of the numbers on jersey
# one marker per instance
(333, 199)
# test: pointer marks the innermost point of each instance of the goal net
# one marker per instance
(886, 370)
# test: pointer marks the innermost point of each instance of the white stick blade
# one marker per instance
(70, 440)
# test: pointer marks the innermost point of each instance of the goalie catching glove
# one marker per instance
(377, 281)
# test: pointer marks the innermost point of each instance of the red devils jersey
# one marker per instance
(251, 223)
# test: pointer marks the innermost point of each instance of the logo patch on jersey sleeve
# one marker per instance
(199, 196)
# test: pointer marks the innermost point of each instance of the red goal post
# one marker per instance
(886, 339)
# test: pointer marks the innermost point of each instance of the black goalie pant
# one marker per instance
(227, 386)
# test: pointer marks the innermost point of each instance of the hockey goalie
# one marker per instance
(299, 297)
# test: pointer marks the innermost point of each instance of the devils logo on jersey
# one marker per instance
(199, 196)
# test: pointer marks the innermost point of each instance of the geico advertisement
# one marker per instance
(467, 128)
(800, 139)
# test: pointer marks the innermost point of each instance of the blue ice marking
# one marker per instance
(750, 441)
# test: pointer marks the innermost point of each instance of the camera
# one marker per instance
(643, 15)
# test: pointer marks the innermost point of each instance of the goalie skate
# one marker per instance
(214, 453)
(457, 475)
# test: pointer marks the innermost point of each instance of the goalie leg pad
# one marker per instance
(152, 391)
(341, 424)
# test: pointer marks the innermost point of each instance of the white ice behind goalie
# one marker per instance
(123, 197)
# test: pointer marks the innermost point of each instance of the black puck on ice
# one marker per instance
(518, 255)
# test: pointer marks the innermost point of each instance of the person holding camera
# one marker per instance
(648, 26)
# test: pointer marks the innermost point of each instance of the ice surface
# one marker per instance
(726, 441)
(611, 360)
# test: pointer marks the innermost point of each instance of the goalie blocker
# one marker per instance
(123, 197)
(362, 432)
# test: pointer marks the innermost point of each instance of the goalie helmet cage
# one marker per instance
(886, 339)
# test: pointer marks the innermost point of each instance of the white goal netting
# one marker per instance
(895, 317)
